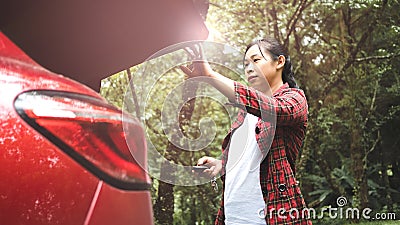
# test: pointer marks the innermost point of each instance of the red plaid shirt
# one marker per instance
(286, 111)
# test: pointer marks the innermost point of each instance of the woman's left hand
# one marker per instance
(199, 66)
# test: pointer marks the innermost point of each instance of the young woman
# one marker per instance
(259, 152)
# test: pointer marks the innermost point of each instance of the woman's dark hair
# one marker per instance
(272, 46)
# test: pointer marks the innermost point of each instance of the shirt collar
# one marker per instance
(280, 89)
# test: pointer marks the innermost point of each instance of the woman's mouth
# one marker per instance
(251, 78)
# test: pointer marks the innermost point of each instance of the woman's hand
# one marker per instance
(199, 66)
(214, 165)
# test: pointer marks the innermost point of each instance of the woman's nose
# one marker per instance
(250, 68)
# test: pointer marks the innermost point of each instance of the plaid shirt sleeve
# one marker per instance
(288, 106)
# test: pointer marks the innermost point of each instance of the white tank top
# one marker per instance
(243, 198)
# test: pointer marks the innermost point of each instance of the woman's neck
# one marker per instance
(276, 86)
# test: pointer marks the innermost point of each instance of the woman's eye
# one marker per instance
(255, 60)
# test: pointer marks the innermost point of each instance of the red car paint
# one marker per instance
(41, 183)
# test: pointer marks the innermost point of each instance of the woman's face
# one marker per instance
(261, 72)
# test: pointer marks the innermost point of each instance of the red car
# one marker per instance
(64, 155)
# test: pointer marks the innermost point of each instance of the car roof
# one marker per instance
(89, 40)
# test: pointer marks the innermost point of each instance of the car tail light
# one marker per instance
(92, 132)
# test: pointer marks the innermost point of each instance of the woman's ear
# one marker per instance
(281, 62)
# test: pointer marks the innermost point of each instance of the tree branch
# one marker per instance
(147, 122)
(133, 92)
(368, 58)
(232, 12)
(293, 20)
(378, 138)
(372, 102)
(275, 21)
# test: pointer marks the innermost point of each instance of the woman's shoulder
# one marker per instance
(286, 91)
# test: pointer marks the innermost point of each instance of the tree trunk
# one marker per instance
(359, 169)
(164, 205)
(357, 152)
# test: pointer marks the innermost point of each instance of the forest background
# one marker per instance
(346, 57)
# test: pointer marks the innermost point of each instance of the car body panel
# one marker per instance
(118, 207)
(40, 184)
(90, 40)
(37, 178)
